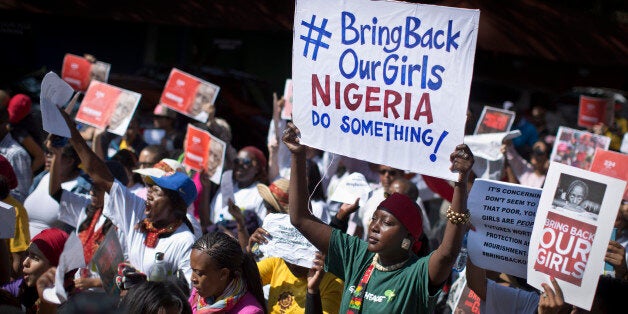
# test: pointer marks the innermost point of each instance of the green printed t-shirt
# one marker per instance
(401, 291)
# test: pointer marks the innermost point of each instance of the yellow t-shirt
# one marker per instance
(22, 238)
(287, 292)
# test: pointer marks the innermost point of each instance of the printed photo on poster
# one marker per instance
(106, 259)
(494, 120)
(79, 71)
(107, 106)
(204, 151)
(578, 195)
(576, 148)
(189, 95)
(569, 239)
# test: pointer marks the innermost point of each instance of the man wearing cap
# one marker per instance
(17, 156)
(156, 225)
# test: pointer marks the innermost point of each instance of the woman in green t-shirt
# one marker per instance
(384, 275)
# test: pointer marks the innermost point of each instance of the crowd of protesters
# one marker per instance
(390, 252)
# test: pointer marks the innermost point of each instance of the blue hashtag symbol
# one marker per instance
(318, 42)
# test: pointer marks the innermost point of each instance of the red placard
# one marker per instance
(98, 104)
(494, 120)
(196, 148)
(594, 110)
(76, 72)
(564, 248)
(189, 95)
(611, 164)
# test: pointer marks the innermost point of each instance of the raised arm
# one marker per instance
(445, 255)
(301, 218)
(94, 166)
(54, 186)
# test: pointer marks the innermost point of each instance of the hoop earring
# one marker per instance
(405, 244)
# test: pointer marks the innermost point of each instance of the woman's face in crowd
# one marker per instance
(97, 197)
(34, 265)
(576, 195)
(207, 277)
(387, 175)
(245, 167)
(158, 205)
(385, 232)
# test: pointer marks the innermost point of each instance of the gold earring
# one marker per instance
(405, 244)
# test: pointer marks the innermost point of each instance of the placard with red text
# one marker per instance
(612, 164)
(79, 72)
(108, 106)
(494, 120)
(189, 95)
(572, 228)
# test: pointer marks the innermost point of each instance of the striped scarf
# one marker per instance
(225, 302)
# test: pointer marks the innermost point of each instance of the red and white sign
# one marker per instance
(494, 120)
(204, 151)
(572, 227)
(189, 95)
(594, 110)
(105, 106)
(612, 164)
(79, 72)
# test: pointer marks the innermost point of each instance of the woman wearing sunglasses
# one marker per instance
(249, 169)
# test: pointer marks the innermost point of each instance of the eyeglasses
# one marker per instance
(391, 172)
(243, 162)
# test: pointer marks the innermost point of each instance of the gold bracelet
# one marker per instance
(457, 218)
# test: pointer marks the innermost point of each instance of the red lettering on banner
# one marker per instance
(355, 95)
(564, 248)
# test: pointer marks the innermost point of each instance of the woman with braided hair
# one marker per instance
(224, 279)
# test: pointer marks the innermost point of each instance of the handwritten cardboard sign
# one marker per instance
(576, 148)
(204, 151)
(287, 242)
(108, 106)
(593, 110)
(383, 81)
(572, 228)
(79, 72)
(189, 95)
(494, 120)
(503, 216)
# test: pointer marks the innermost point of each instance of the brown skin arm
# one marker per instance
(94, 166)
(34, 150)
(204, 199)
(476, 279)
(445, 255)
(55, 176)
(317, 232)
(243, 234)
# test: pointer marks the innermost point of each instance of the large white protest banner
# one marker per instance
(503, 217)
(286, 241)
(572, 228)
(383, 81)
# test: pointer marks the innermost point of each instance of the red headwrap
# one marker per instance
(259, 155)
(19, 106)
(6, 170)
(408, 213)
(51, 242)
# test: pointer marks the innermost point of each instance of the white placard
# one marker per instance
(7, 221)
(286, 241)
(503, 217)
(226, 188)
(350, 188)
(71, 258)
(624, 144)
(383, 81)
(55, 93)
(572, 228)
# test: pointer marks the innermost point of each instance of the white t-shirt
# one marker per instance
(125, 210)
(502, 299)
(43, 210)
(247, 199)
